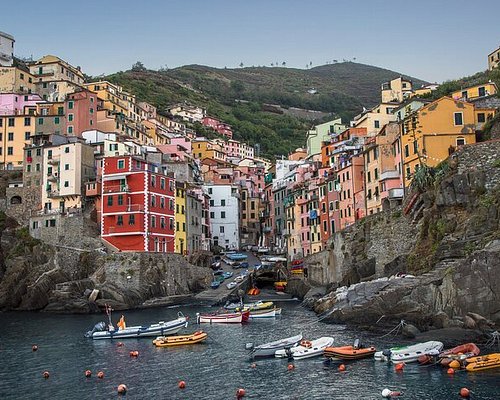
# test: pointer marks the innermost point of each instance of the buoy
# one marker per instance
(240, 393)
(88, 373)
(464, 392)
(34, 347)
(454, 364)
(425, 359)
(122, 389)
(387, 393)
(450, 371)
(341, 368)
(134, 353)
(46, 374)
(399, 367)
(100, 374)
(291, 367)
(119, 344)
(253, 365)
(182, 385)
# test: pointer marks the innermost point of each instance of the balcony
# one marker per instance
(52, 193)
(116, 189)
(54, 159)
(53, 177)
(389, 175)
(396, 193)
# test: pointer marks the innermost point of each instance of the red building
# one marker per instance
(138, 205)
(220, 127)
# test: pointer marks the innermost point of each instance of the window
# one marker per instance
(70, 129)
(408, 172)
(131, 219)
(153, 201)
(369, 177)
(153, 180)
(171, 224)
(119, 220)
(221, 229)
(66, 149)
(27, 135)
(177, 226)
(171, 205)
(464, 94)
(415, 147)
(153, 221)
(120, 199)
(66, 167)
(223, 214)
(66, 183)
(60, 110)
(11, 122)
(27, 121)
(121, 164)
(377, 124)
(162, 222)
(376, 173)
(223, 202)
(70, 105)
(481, 117)
(407, 151)
(28, 168)
(162, 183)
(212, 214)
(10, 151)
(458, 118)
(40, 121)
(460, 141)
(209, 190)
(44, 85)
(162, 202)
(10, 136)
(70, 117)
(110, 200)
(37, 167)
(481, 91)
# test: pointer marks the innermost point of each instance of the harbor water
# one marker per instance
(212, 370)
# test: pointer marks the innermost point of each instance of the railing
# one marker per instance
(389, 175)
(116, 189)
(52, 193)
(396, 193)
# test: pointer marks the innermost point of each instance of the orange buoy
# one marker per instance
(240, 393)
(399, 367)
(291, 367)
(454, 364)
(182, 385)
(341, 368)
(450, 371)
(88, 373)
(134, 353)
(253, 365)
(46, 374)
(34, 347)
(122, 389)
(119, 344)
(464, 392)
(100, 374)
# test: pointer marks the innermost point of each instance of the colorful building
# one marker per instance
(138, 206)
(16, 80)
(224, 216)
(396, 90)
(321, 133)
(494, 59)
(80, 109)
(180, 218)
(15, 134)
(485, 89)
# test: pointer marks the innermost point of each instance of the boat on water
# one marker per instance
(258, 305)
(270, 313)
(306, 349)
(355, 352)
(227, 275)
(103, 331)
(168, 341)
(224, 318)
(459, 353)
(483, 363)
(410, 353)
(232, 285)
(269, 349)
(215, 284)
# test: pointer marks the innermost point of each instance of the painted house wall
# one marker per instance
(224, 216)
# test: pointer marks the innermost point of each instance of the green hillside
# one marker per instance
(237, 96)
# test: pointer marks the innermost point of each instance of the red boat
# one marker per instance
(459, 353)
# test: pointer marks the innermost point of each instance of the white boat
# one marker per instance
(232, 285)
(409, 353)
(268, 349)
(265, 313)
(101, 331)
(306, 349)
(258, 305)
(229, 318)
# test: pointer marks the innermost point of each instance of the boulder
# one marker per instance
(440, 320)
(469, 323)
(410, 331)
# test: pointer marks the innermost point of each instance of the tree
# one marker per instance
(283, 63)
(241, 64)
(310, 63)
(272, 64)
(138, 66)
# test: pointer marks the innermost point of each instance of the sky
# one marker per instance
(430, 40)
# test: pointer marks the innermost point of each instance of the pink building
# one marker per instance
(81, 112)
(184, 142)
(14, 104)
(175, 151)
(220, 127)
(351, 195)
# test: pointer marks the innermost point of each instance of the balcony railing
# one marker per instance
(116, 189)
(389, 175)
(396, 193)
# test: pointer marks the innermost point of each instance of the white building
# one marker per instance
(6, 49)
(224, 216)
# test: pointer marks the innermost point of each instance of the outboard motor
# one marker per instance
(357, 344)
(387, 354)
(249, 346)
(99, 327)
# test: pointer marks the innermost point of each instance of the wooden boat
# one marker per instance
(410, 353)
(269, 349)
(259, 305)
(168, 341)
(224, 318)
(459, 353)
(349, 352)
(101, 331)
(265, 313)
(306, 349)
(482, 363)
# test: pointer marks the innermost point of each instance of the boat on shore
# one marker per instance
(355, 352)
(306, 349)
(223, 318)
(410, 353)
(483, 363)
(169, 341)
(269, 349)
(103, 331)
(270, 313)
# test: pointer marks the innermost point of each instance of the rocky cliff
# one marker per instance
(447, 237)
(35, 275)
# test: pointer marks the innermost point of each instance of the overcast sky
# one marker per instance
(432, 40)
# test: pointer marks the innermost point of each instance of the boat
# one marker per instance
(482, 363)
(269, 349)
(355, 352)
(227, 275)
(101, 331)
(215, 284)
(459, 353)
(258, 305)
(306, 349)
(237, 256)
(271, 313)
(224, 318)
(231, 285)
(410, 353)
(168, 341)
(253, 291)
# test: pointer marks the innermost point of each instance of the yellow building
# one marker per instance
(180, 218)
(396, 90)
(16, 80)
(486, 89)
(203, 148)
(15, 133)
(112, 96)
(375, 119)
(434, 132)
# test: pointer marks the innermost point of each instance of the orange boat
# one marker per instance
(349, 352)
(459, 353)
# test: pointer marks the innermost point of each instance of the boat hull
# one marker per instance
(349, 352)
(410, 353)
(169, 341)
(301, 352)
(265, 314)
(161, 329)
(222, 318)
(269, 349)
(483, 363)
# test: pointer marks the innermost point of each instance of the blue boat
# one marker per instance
(215, 284)
(227, 274)
(237, 256)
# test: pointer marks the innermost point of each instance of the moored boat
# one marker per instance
(258, 305)
(270, 313)
(306, 349)
(355, 352)
(168, 341)
(224, 318)
(268, 349)
(459, 353)
(482, 363)
(101, 331)
(410, 353)
(237, 256)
